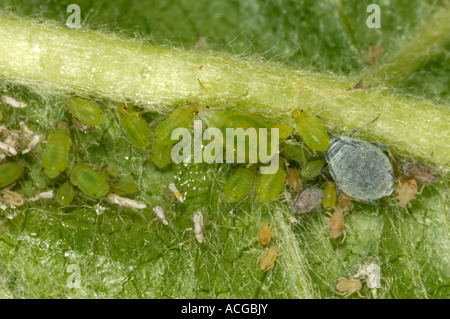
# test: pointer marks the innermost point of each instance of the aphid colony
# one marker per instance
(71, 174)
(357, 169)
(58, 150)
(322, 170)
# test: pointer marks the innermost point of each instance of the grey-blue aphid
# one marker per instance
(360, 169)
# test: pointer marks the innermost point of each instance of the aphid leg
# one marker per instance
(411, 216)
(361, 273)
(322, 170)
(394, 178)
(374, 293)
(380, 145)
(395, 174)
(421, 189)
(302, 214)
(120, 216)
(329, 214)
(365, 125)
(190, 229)
(344, 235)
(338, 191)
(369, 201)
(361, 296)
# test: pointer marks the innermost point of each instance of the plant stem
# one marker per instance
(91, 63)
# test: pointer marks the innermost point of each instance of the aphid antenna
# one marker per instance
(156, 120)
(239, 97)
(226, 103)
(129, 106)
(364, 126)
(51, 127)
(88, 198)
(204, 90)
(202, 86)
(137, 113)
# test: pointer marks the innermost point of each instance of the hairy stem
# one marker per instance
(91, 63)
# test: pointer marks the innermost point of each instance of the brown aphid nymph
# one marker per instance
(265, 233)
(345, 203)
(420, 172)
(406, 190)
(307, 200)
(12, 198)
(346, 287)
(374, 53)
(268, 258)
(293, 180)
(336, 223)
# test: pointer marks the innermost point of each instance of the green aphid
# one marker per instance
(311, 131)
(1, 115)
(85, 111)
(329, 199)
(295, 152)
(65, 194)
(56, 153)
(312, 169)
(91, 182)
(238, 185)
(179, 118)
(284, 130)
(270, 186)
(112, 169)
(161, 154)
(9, 173)
(124, 186)
(134, 125)
(234, 119)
